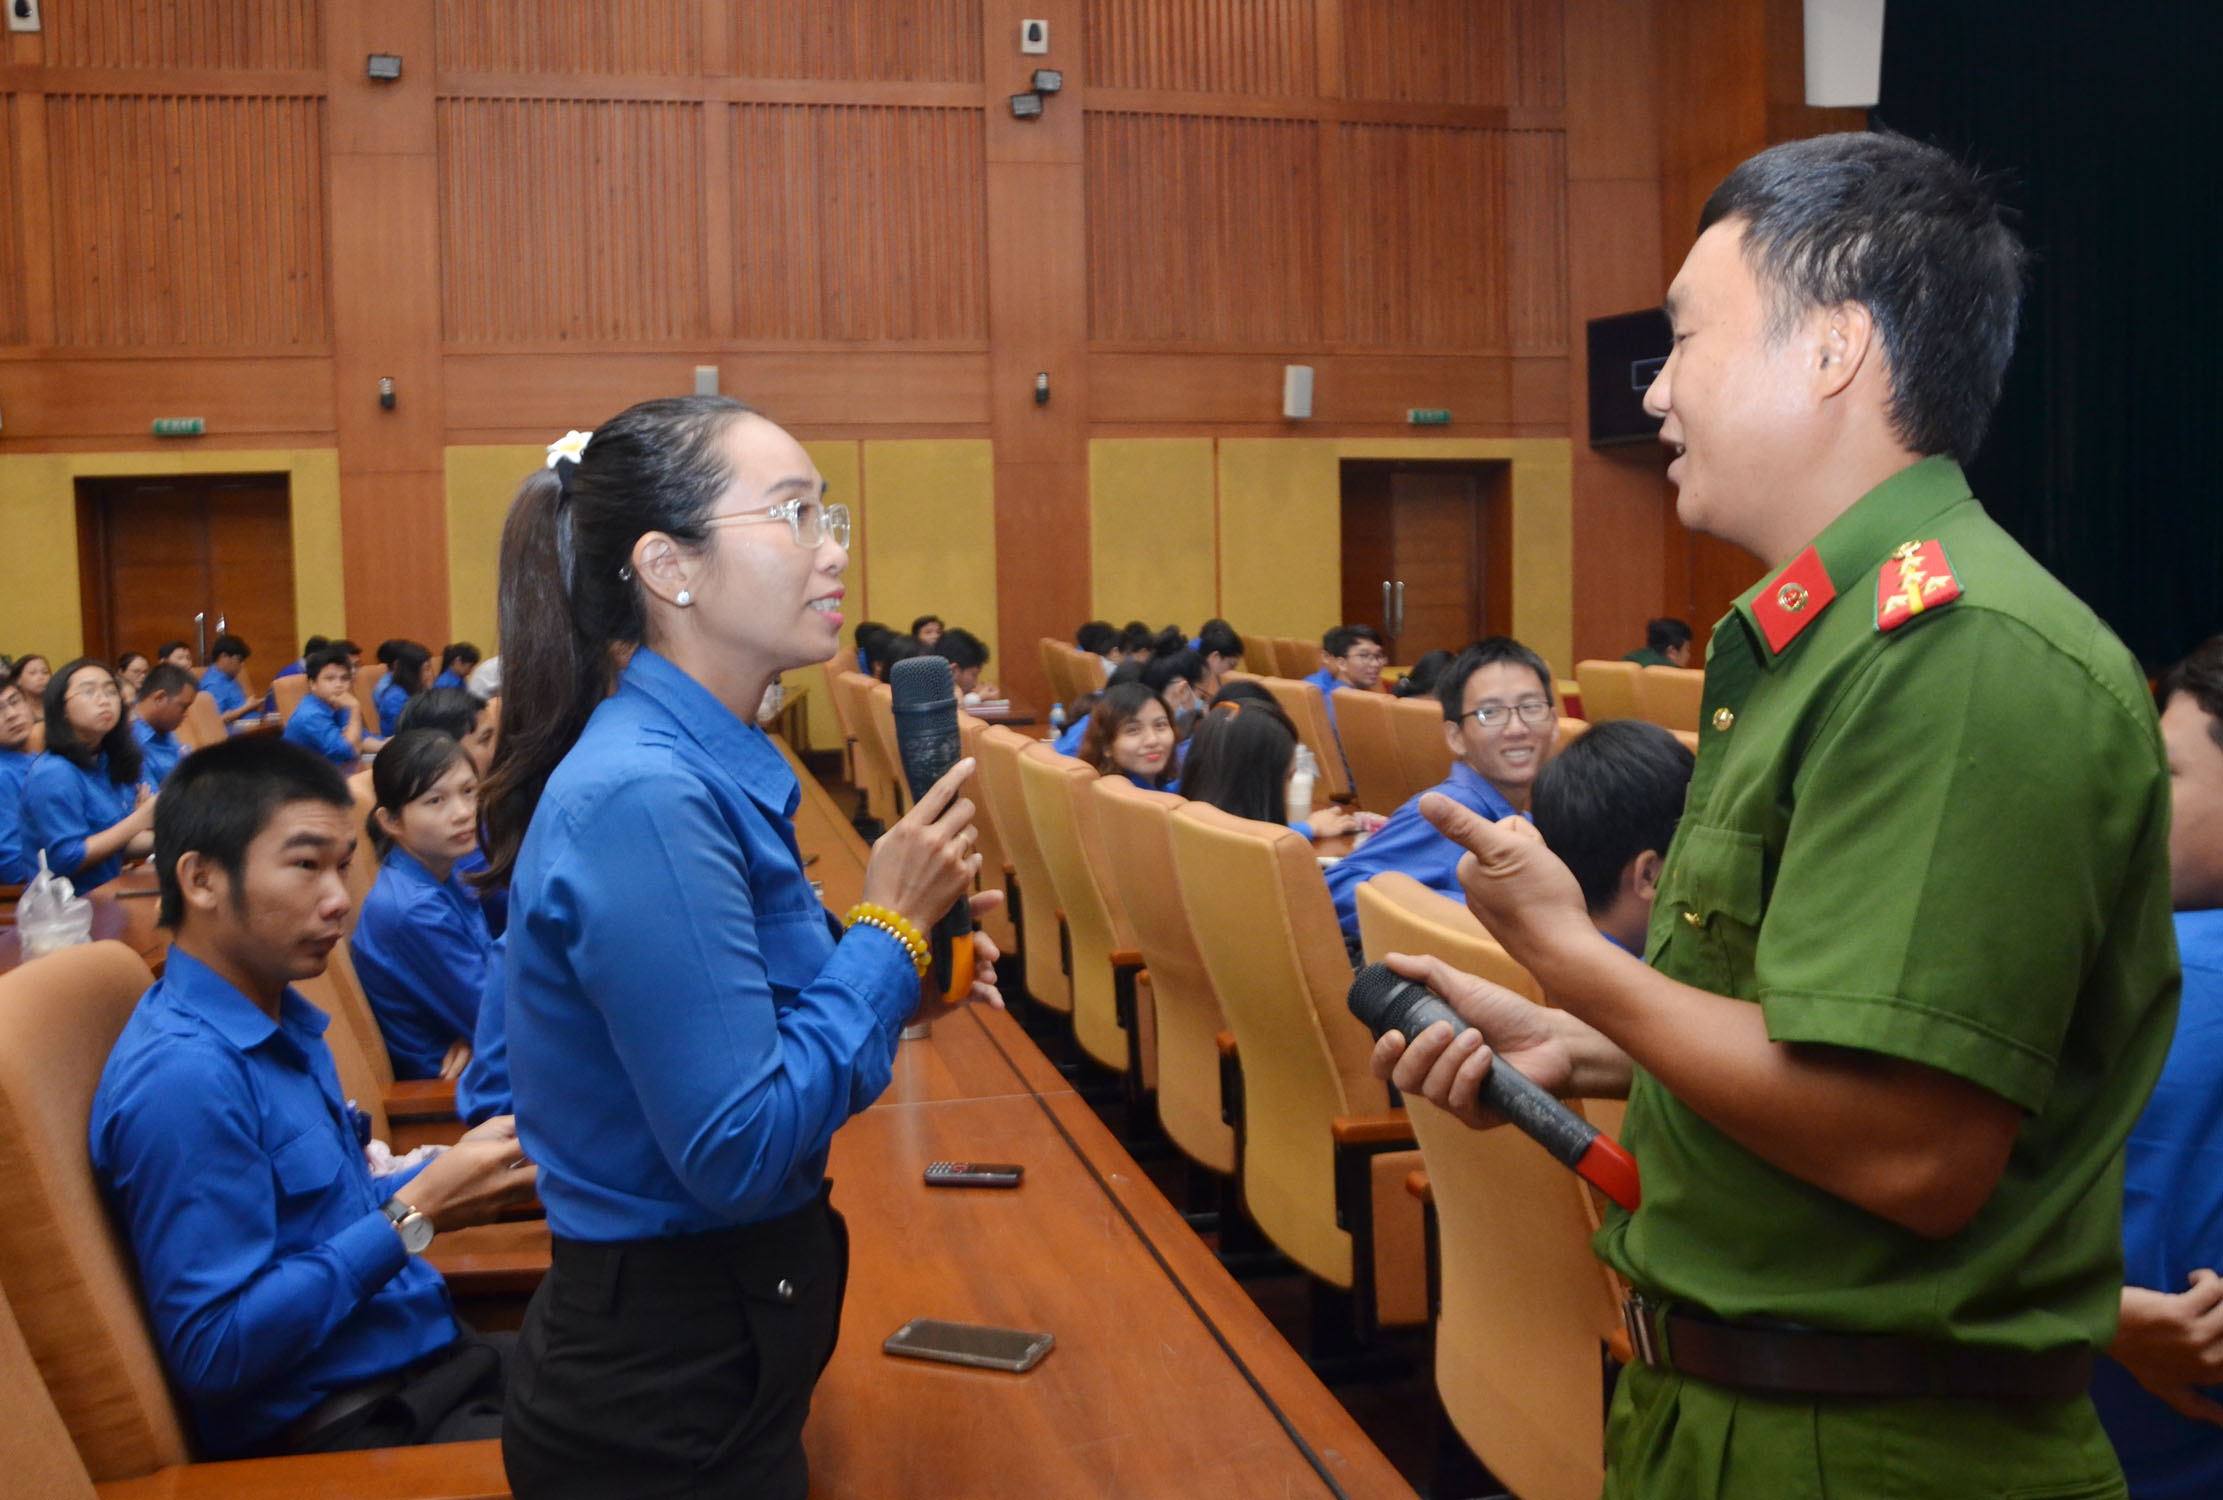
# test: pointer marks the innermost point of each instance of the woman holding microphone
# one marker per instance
(687, 1025)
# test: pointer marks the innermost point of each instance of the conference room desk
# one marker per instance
(123, 909)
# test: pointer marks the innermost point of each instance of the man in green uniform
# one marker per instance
(1911, 972)
(1666, 644)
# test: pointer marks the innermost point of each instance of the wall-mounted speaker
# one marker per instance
(1844, 53)
(1296, 392)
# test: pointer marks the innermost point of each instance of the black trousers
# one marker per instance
(677, 1367)
(452, 1396)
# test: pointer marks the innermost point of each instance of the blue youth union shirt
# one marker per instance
(420, 949)
(323, 728)
(392, 699)
(159, 753)
(63, 806)
(685, 1034)
(2173, 1225)
(482, 1092)
(1409, 843)
(19, 855)
(224, 688)
(225, 1151)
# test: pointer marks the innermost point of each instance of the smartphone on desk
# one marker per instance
(971, 1344)
(973, 1174)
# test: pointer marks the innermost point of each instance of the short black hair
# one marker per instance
(1169, 638)
(405, 769)
(1912, 234)
(1097, 636)
(119, 744)
(2201, 676)
(1218, 638)
(169, 646)
(1613, 793)
(1178, 665)
(1665, 635)
(456, 651)
(1246, 690)
(1339, 641)
(1134, 637)
(923, 621)
(312, 646)
(344, 644)
(123, 662)
(165, 677)
(1421, 681)
(887, 648)
(453, 711)
(406, 666)
(315, 663)
(1451, 687)
(228, 644)
(220, 798)
(960, 648)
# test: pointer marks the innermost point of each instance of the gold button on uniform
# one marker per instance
(1723, 718)
(1697, 922)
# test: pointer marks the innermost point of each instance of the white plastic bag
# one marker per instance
(50, 915)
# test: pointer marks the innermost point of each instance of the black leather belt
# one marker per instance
(336, 1409)
(1787, 1360)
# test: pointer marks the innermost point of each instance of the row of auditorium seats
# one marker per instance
(1666, 696)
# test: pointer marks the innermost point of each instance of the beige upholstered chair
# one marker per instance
(1035, 899)
(1421, 751)
(1670, 696)
(995, 858)
(1307, 708)
(1367, 725)
(290, 690)
(1608, 689)
(1104, 958)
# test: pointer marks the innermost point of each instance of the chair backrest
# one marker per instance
(1087, 670)
(879, 703)
(995, 857)
(1000, 750)
(360, 1079)
(1689, 737)
(67, 1274)
(1057, 666)
(1524, 1302)
(290, 690)
(1421, 750)
(1570, 730)
(36, 744)
(1138, 852)
(1263, 921)
(1307, 708)
(1670, 696)
(1296, 656)
(1608, 689)
(1260, 655)
(35, 1451)
(844, 715)
(367, 678)
(203, 724)
(1056, 790)
(875, 773)
(1364, 723)
(362, 871)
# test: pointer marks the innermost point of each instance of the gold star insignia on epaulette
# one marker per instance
(1918, 577)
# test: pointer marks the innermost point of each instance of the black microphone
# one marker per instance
(927, 739)
(1387, 1002)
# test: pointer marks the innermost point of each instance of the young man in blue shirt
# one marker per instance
(284, 1284)
(2160, 1391)
(19, 858)
(221, 681)
(324, 720)
(1500, 724)
(163, 700)
(1607, 805)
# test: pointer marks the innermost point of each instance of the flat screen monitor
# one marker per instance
(1626, 351)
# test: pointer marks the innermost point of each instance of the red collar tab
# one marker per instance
(1792, 599)
(1915, 577)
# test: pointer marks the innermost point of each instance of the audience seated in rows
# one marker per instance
(966, 654)
(179, 654)
(1420, 681)
(19, 859)
(1240, 758)
(1177, 676)
(1500, 722)
(1130, 734)
(227, 657)
(84, 804)
(1222, 650)
(405, 678)
(281, 1276)
(165, 693)
(1666, 644)
(458, 660)
(927, 629)
(471, 722)
(421, 944)
(1100, 638)
(325, 720)
(1607, 805)
(131, 674)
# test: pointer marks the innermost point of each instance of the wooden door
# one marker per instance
(155, 552)
(1426, 553)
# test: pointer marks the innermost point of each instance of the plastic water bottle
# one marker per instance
(1301, 779)
(1057, 718)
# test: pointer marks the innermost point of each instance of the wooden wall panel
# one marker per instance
(570, 36)
(571, 219)
(1209, 46)
(188, 221)
(910, 41)
(1454, 52)
(1454, 238)
(1203, 229)
(185, 34)
(12, 327)
(858, 222)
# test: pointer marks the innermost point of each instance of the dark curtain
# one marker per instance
(2106, 456)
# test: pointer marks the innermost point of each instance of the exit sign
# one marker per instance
(1429, 416)
(179, 427)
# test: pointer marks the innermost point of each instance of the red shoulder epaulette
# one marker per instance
(1916, 577)
(1793, 599)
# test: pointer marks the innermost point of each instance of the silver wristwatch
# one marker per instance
(413, 1227)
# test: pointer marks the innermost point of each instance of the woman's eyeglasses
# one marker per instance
(809, 519)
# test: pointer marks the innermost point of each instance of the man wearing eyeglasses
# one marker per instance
(1499, 720)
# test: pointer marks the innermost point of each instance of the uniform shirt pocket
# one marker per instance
(1712, 898)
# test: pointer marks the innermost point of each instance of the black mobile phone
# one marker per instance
(972, 1344)
(973, 1174)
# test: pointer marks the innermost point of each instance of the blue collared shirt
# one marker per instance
(1069, 738)
(63, 806)
(323, 728)
(493, 900)
(685, 1035)
(483, 1090)
(420, 949)
(449, 679)
(159, 752)
(225, 1150)
(1410, 844)
(2173, 1225)
(392, 699)
(224, 688)
(1328, 684)
(19, 854)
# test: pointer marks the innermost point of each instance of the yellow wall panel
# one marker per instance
(929, 541)
(1152, 531)
(40, 609)
(1281, 542)
(481, 484)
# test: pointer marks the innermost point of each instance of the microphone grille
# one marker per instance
(1371, 990)
(919, 681)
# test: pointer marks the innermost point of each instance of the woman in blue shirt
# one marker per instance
(1239, 761)
(421, 944)
(404, 680)
(82, 801)
(458, 660)
(1130, 734)
(686, 1028)
(18, 861)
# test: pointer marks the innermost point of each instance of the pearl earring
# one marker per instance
(685, 598)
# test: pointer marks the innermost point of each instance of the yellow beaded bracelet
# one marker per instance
(895, 925)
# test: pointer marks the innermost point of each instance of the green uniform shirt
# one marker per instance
(1948, 843)
(1645, 656)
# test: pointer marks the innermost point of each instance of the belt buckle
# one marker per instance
(1640, 1317)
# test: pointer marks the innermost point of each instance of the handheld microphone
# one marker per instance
(927, 739)
(1386, 1002)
